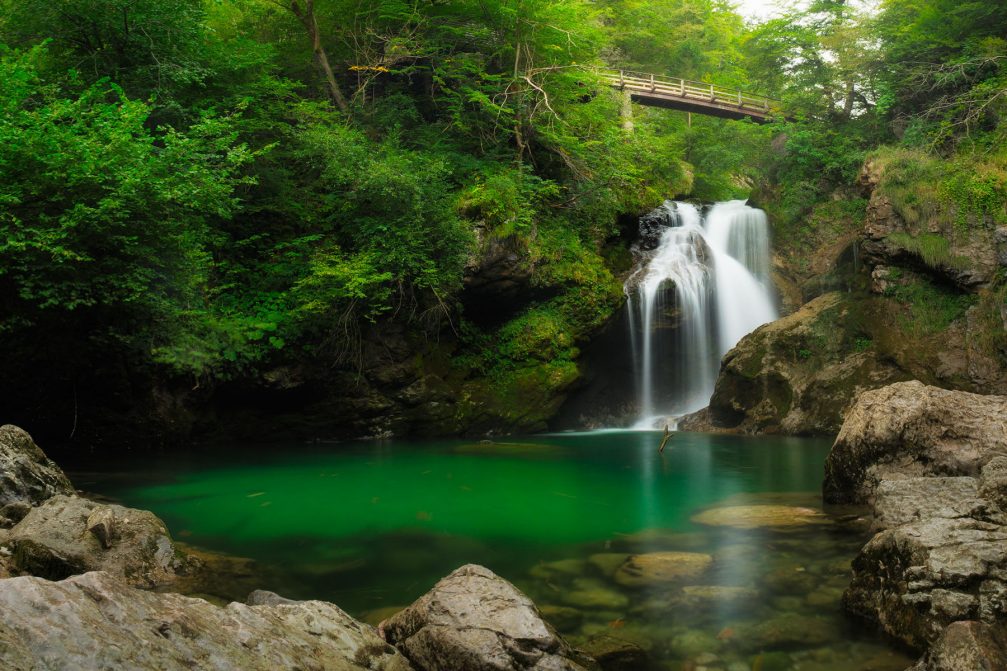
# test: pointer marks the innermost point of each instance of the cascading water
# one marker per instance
(701, 285)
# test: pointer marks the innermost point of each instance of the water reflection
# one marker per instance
(597, 528)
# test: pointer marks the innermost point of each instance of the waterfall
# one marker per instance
(701, 284)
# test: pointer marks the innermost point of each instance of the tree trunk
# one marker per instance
(850, 96)
(307, 18)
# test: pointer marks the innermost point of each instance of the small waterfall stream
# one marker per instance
(701, 284)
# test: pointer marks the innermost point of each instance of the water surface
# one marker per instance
(371, 526)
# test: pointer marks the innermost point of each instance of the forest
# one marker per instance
(223, 203)
(431, 310)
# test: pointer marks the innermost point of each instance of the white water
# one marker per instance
(704, 288)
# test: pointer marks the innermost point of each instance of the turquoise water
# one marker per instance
(371, 526)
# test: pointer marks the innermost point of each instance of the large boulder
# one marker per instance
(967, 646)
(68, 535)
(940, 557)
(27, 476)
(797, 374)
(96, 621)
(931, 463)
(473, 620)
(911, 427)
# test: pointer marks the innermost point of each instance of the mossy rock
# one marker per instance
(655, 568)
(758, 516)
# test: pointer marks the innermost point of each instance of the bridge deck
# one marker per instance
(682, 94)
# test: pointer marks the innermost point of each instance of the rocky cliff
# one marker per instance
(922, 299)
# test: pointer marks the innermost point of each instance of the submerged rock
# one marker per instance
(27, 476)
(615, 654)
(591, 593)
(55, 541)
(752, 517)
(911, 427)
(706, 595)
(662, 567)
(783, 631)
(97, 621)
(473, 620)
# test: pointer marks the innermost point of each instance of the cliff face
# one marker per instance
(921, 299)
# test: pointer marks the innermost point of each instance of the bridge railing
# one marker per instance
(683, 88)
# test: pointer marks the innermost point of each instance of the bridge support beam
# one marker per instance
(626, 112)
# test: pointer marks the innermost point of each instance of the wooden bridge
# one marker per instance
(697, 97)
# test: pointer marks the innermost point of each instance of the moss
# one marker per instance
(933, 249)
(38, 560)
(961, 193)
(752, 365)
(989, 333)
(930, 308)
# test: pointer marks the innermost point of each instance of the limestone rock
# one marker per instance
(616, 654)
(971, 260)
(27, 476)
(941, 561)
(53, 541)
(755, 516)
(563, 618)
(993, 483)
(930, 430)
(95, 621)
(967, 646)
(101, 523)
(662, 567)
(789, 630)
(914, 452)
(797, 374)
(711, 595)
(473, 620)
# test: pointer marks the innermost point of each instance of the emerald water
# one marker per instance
(372, 526)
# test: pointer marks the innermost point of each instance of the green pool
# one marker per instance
(371, 526)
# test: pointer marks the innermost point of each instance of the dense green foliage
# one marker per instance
(205, 190)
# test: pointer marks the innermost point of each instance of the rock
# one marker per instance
(967, 646)
(1000, 237)
(607, 562)
(101, 523)
(53, 542)
(662, 567)
(792, 579)
(96, 621)
(567, 567)
(615, 654)
(917, 578)
(993, 482)
(589, 593)
(783, 631)
(752, 517)
(473, 620)
(694, 642)
(940, 555)
(563, 618)
(970, 261)
(498, 279)
(797, 374)
(261, 597)
(706, 596)
(910, 425)
(27, 476)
